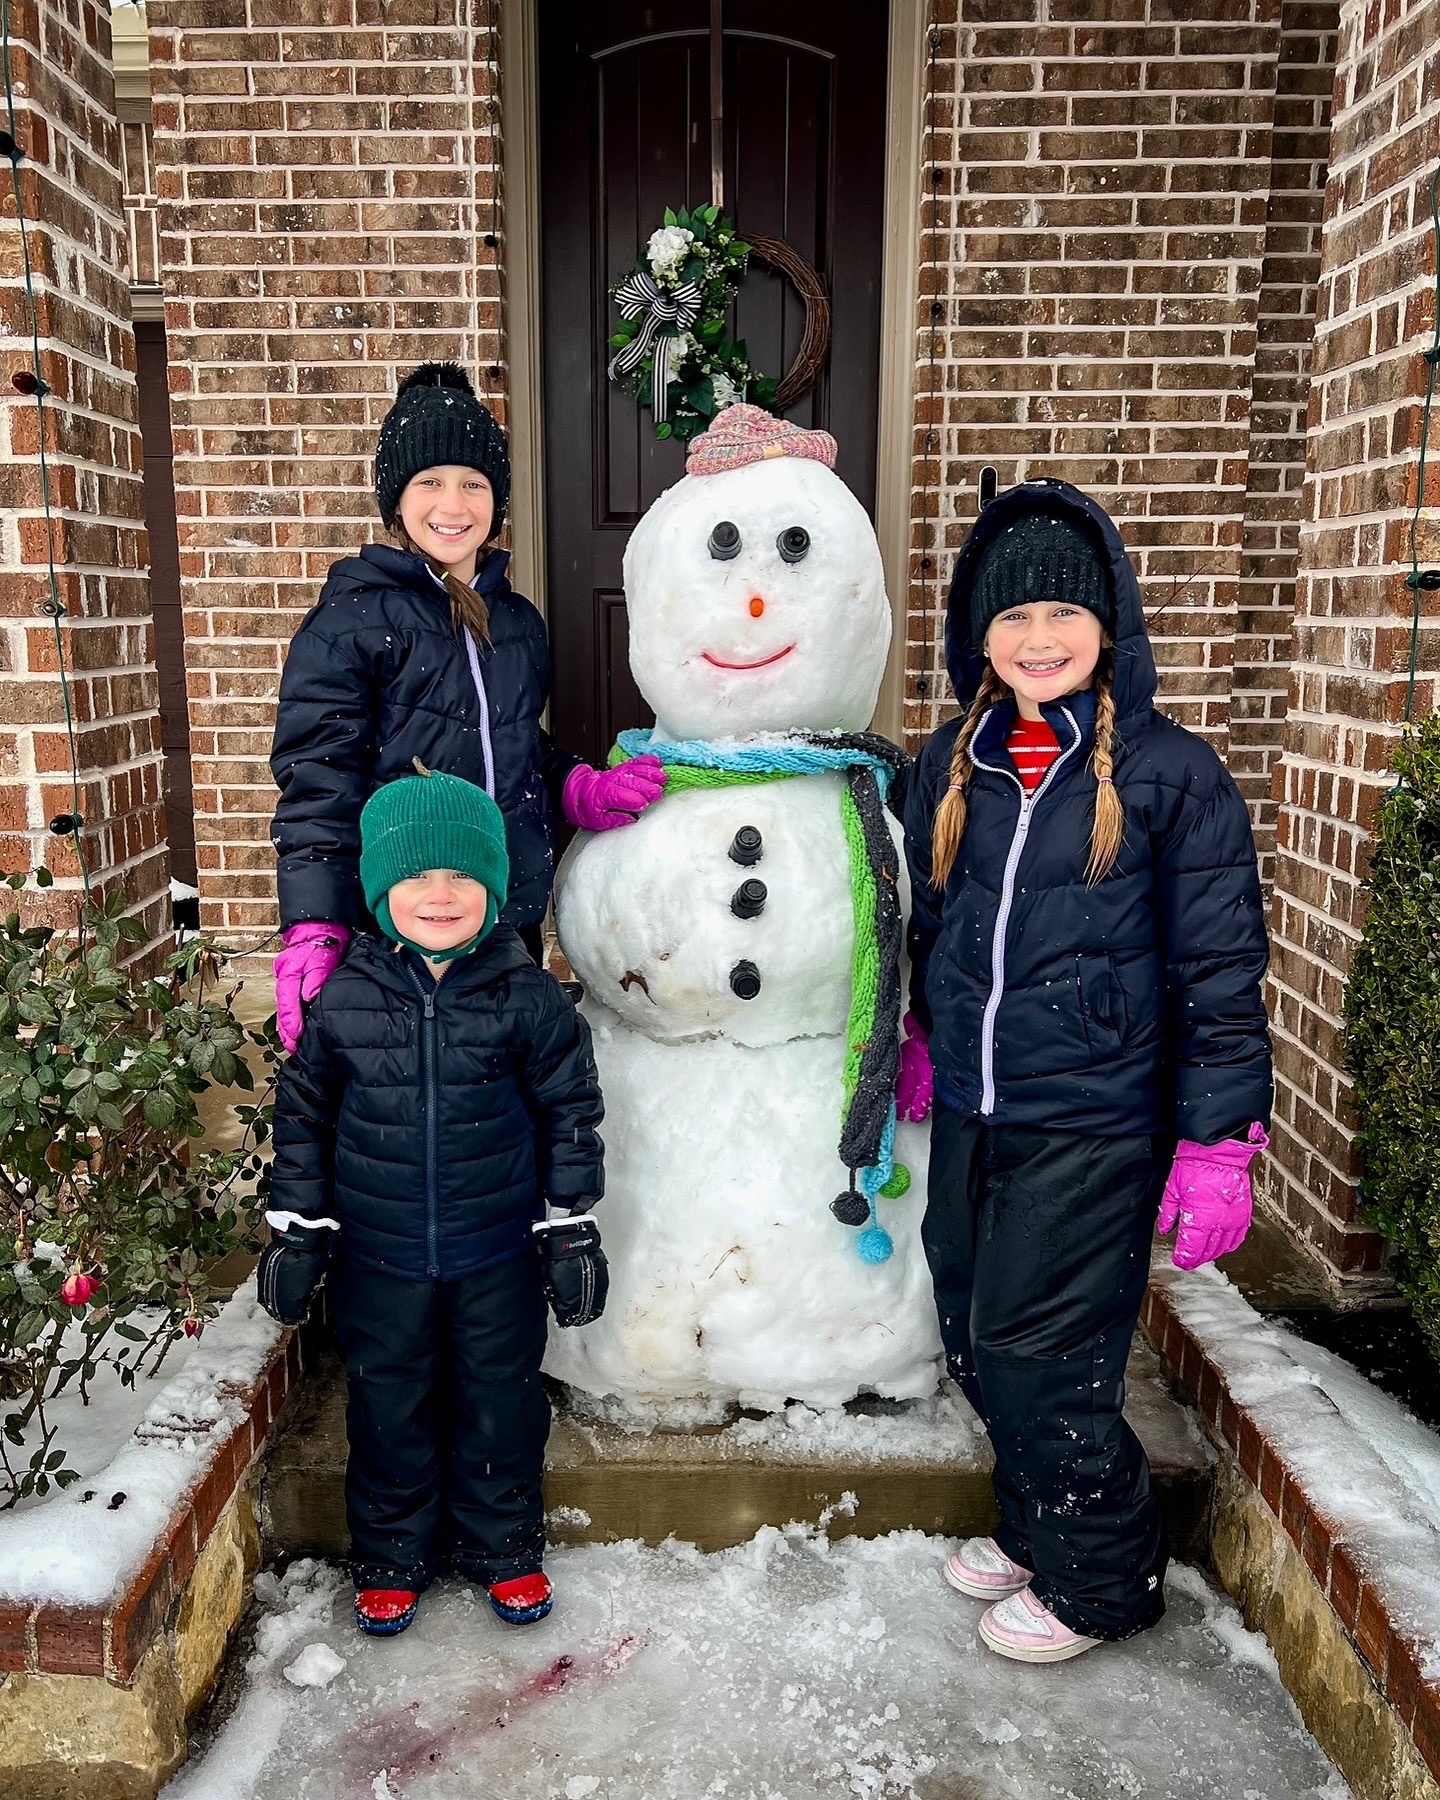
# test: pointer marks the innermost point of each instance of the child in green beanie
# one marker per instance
(443, 1093)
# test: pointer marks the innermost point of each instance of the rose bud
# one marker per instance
(78, 1288)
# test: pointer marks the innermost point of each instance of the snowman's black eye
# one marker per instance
(793, 543)
(725, 541)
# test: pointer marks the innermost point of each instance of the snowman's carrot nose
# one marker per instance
(757, 606)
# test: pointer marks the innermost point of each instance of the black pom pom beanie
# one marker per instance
(1040, 557)
(437, 419)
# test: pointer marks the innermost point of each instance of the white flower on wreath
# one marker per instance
(725, 391)
(667, 249)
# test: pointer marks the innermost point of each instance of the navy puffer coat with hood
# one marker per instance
(376, 676)
(1132, 1006)
(431, 1119)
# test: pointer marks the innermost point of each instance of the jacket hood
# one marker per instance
(498, 953)
(1135, 679)
(408, 570)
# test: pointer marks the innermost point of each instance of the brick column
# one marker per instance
(329, 216)
(1093, 229)
(70, 192)
(1279, 395)
(1375, 315)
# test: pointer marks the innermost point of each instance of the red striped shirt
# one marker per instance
(1033, 746)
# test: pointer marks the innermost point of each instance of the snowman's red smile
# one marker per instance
(717, 662)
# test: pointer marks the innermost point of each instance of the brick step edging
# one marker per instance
(1394, 1655)
(110, 1637)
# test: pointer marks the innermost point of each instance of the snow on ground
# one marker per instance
(787, 1668)
(1367, 1464)
(148, 1445)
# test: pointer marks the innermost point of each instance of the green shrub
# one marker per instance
(111, 1206)
(1392, 1010)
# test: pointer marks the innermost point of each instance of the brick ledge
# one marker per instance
(1394, 1657)
(109, 1638)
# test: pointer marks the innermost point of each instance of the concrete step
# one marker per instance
(909, 1465)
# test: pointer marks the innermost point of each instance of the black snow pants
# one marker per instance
(1039, 1246)
(447, 1420)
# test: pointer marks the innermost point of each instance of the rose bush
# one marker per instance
(112, 1210)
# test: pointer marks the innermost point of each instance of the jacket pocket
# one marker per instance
(1102, 1003)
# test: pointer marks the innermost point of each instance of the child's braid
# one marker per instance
(1107, 834)
(949, 826)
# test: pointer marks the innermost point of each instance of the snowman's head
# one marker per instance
(757, 603)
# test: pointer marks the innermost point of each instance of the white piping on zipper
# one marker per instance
(1007, 895)
(472, 650)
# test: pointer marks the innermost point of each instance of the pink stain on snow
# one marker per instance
(485, 1713)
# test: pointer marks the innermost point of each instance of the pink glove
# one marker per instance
(1209, 1193)
(915, 1083)
(602, 799)
(311, 955)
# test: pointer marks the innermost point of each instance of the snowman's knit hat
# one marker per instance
(748, 434)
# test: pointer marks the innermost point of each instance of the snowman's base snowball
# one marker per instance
(730, 1279)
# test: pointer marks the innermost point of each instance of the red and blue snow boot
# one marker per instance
(385, 1612)
(522, 1601)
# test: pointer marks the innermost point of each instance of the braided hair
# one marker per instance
(1107, 834)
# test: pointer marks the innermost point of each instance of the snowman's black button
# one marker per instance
(745, 980)
(724, 542)
(748, 900)
(748, 847)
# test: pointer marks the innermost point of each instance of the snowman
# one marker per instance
(740, 951)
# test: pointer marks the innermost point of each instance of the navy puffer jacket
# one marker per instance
(1133, 1006)
(376, 677)
(433, 1119)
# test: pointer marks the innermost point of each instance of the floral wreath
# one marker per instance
(672, 346)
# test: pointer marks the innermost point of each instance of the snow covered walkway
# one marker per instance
(787, 1668)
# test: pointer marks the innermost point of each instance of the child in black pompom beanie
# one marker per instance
(423, 650)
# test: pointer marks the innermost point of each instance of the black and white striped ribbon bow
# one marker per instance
(675, 308)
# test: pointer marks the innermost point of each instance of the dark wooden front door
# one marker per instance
(624, 133)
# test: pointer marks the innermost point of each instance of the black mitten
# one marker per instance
(292, 1266)
(573, 1268)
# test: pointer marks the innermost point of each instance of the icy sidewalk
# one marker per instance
(789, 1667)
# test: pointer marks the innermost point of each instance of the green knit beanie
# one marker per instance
(431, 821)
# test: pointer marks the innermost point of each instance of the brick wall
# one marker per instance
(1279, 393)
(1093, 237)
(71, 198)
(1375, 315)
(329, 217)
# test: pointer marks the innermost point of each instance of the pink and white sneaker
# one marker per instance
(1025, 1631)
(981, 1569)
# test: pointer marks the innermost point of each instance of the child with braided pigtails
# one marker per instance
(1088, 946)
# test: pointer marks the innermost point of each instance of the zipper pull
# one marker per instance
(428, 1000)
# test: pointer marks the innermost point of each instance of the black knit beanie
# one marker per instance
(1040, 557)
(437, 419)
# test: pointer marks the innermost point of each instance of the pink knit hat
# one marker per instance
(748, 434)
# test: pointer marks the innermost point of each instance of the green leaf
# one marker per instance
(128, 1331)
(35, 1009)
(43, 877)
(664, 431)
(159, 1110)
(670, 218)
(66, 1478)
